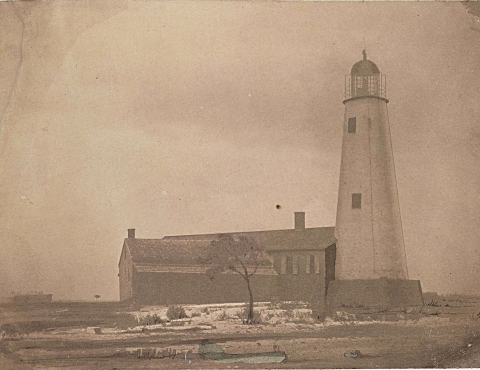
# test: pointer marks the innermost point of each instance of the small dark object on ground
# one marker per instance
(150, 353)
(212, 351)
(146, 331)
(355, 353)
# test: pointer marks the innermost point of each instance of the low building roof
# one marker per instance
(315, 238)
(318, 238)
(166, 252)
(189, 250)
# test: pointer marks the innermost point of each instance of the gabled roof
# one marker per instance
(189, 250)
(315, 238)
(166, 252)
(176, 255)
(318, 238)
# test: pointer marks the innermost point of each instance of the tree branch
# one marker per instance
(254, 270)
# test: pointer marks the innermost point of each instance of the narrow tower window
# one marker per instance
(352, 125)
(357, 200)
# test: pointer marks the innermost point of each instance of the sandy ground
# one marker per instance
(445, 333)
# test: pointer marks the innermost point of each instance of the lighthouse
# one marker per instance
(370, 267)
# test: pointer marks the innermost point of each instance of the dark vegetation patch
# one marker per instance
(176, 313)
(27, 327)
(34, 318)
(151, 320)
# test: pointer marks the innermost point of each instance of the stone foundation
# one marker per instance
(381, 293)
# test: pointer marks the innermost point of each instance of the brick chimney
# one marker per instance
(131, 233)
(299, 221)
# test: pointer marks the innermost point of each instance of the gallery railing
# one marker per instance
(363, 86)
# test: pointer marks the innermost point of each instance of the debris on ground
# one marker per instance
(354, 353)
(212, 351)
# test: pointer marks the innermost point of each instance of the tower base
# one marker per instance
(382, 293)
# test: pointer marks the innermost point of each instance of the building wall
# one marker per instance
(304, 279)
(302, 288)
(303, 274)
(370, 240)
(330, 260)
(380, 293)
(197, 288)
(125, 275)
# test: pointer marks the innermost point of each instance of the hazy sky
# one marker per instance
(200, 117)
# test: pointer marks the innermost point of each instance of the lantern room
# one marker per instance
(365, 80)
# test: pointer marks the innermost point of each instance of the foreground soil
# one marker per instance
(109, 336)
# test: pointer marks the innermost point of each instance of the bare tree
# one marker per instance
(239, 254)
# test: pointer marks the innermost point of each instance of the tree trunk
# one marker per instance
(250, 308)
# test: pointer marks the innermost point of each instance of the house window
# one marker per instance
(312, 264)
(289, 269)
(295, 265)
(357, 200)
(352, 125)
(283, 264)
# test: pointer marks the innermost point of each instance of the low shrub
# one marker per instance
(223, 316)
(344, 317)
(206, 311)
(268, 316)
(151, 320)
(433, 297)
(274, 304)
(177, 323)
(303, 316)
(291, 305)
(475, 316)
(176, 312)
(242, 314)
(288, 314)
(354, 304)
(433, 303)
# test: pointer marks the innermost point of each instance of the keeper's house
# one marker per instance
(171, 271)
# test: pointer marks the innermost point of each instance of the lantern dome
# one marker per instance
(365, 67)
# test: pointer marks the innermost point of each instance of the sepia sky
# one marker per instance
(201, 117)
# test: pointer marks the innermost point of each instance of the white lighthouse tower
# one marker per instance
(370, 266)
